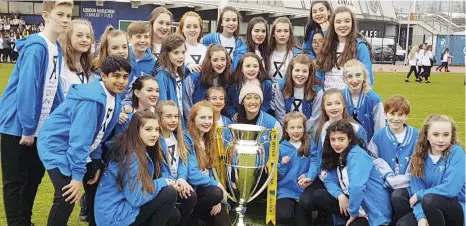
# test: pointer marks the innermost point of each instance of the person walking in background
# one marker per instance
(446, 59)
(420, 53)
(412, 58)
(427, 62)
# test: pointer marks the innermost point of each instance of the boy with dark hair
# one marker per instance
(74, 132)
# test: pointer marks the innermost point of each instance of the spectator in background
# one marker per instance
(1, 48)
(427, 62)
(6, 47)
(14, 52)
(41, 27)
(6, 26)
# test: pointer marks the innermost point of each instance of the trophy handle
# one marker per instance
(214, 171)
(264, 186)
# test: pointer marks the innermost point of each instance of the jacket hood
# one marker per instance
(91, 92)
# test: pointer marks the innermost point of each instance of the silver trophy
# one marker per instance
(242, 164)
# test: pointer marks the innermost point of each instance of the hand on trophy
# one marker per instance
(343, 204)
(235, 117)
(285, 160)
(184, 189)
(303, 181)
(216, 209)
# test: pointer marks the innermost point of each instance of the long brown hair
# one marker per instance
(291, 40)
(309, 89)
(423, 146)
(264, 47)
(68, 51)
(207, 156)
(159, 109)
(323, 115)
(220, 19)
(153, 16)
(171, 43)
(208, 73)
(179, 30)
(130, 142)
(237, 78)
(327, 61)
(311, 24)
(109, 32)
(304, 149)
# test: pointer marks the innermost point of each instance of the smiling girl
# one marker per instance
(249, 69)
(215, 72)
(354, 187)
(160, 21)
(342, 43)
(77, 52)
(320, 12)
(437, 176)
(227, 31)
(364, 105)
(169, 70)
(299, 91)
(191, 29)
(257, 41)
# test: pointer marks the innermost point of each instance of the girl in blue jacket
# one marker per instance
(176, 155)
(144, 95)
(202, 147)
(295, 159)
(65, 144)
(132, 190)
(215, 72)
(282, 48)
(249, 69)
(227, 31)
(318, 22)
(363, 104)
(354, 187)
(437, 176)
(342, 43)
(257, 41)
(299, 91)
(169, 71)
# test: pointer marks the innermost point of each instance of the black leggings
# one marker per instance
(400, 203)
(207, 197)
(439, 211)
(289, 212)
(306, 201)
(186, 207)
(413, 69)
(426, 72)
(324, 201)
(443, 65)
(61, 210)
(159, 210)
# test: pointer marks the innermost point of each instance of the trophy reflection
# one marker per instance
(243, 162)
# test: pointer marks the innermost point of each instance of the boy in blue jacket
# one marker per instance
(141, 57)
(393, 147)
(32, 93)
(70, 136)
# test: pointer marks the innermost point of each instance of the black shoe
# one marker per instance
(427, 81)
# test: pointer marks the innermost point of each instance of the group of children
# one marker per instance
(136, 126)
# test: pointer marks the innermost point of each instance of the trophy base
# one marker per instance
(243, 221)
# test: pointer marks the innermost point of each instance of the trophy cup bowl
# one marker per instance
(245, 162)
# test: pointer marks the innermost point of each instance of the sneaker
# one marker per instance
(406, 80)
(427, 81)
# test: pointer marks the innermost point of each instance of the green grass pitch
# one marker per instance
(445, 95)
